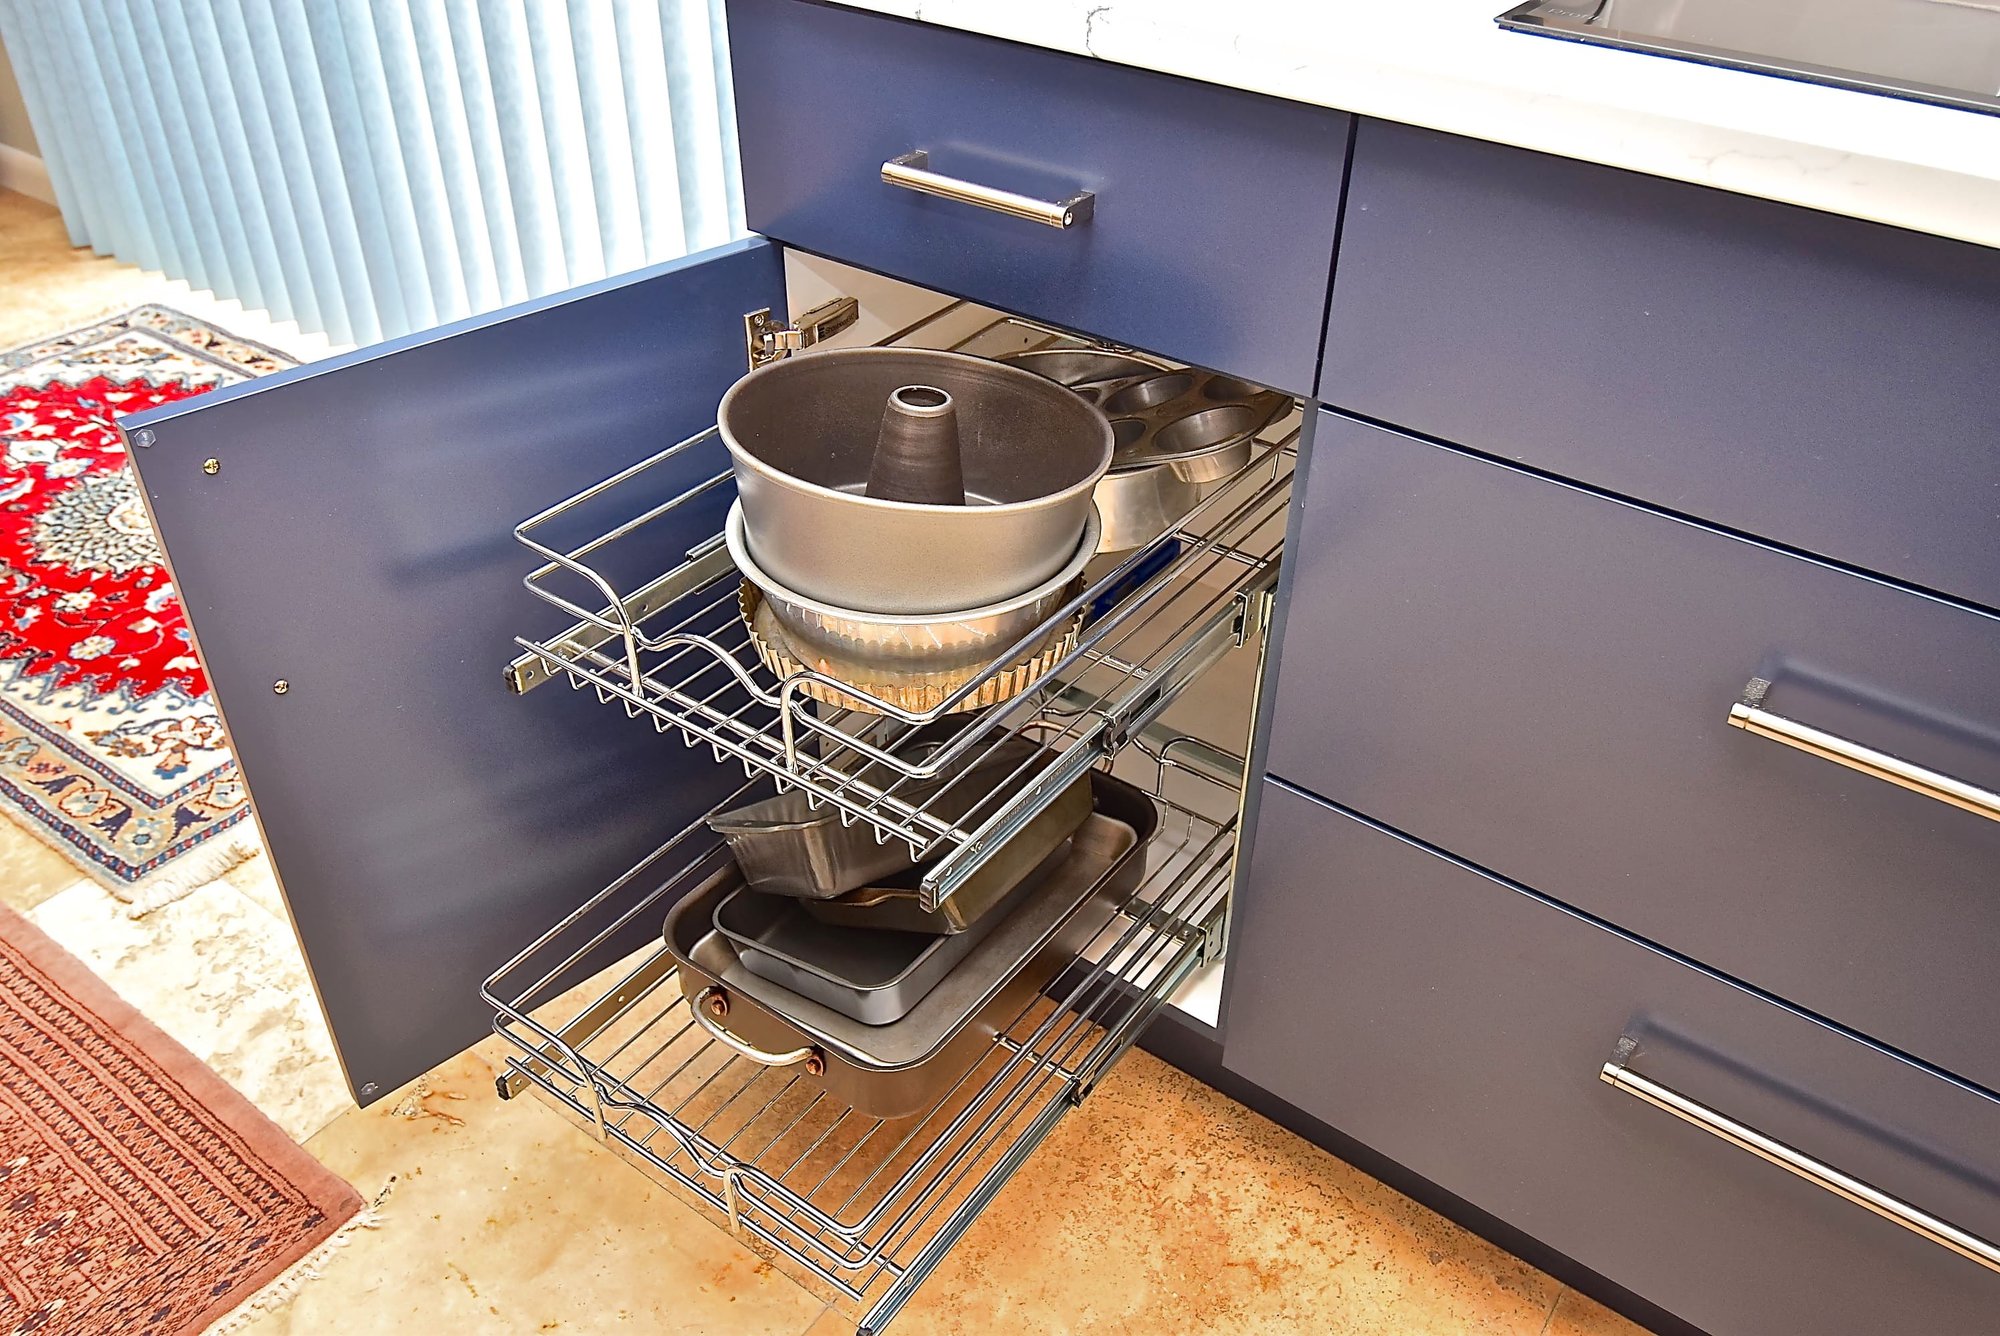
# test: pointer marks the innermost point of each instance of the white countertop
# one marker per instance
(1444, 64)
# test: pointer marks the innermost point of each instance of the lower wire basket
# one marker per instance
(864, 1208)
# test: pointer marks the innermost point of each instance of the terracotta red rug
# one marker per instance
(139, 1194)
(110, 747)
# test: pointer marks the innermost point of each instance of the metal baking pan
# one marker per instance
(873, 975)
(1197, 423)
(786, 846)
(900, 1069)
(896, 903)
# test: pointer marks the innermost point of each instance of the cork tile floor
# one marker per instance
(1157, 1207)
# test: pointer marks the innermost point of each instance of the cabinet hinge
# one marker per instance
(1253, 613)
(766, 338)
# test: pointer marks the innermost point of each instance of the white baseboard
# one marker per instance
(23, 171)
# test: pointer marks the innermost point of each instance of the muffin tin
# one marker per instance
(1199, 423)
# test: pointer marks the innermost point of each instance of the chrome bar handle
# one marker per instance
(1750, 715)
(912, 172)
(712, 1004)
(1893, 1209)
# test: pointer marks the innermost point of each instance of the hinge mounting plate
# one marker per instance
(766, 338)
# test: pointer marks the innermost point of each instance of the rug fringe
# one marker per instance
(187, 874)
(285, 1287)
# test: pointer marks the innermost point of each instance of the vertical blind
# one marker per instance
(372, 167)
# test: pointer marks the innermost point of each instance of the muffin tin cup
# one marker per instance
(1200, 424)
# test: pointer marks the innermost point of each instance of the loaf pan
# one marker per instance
(872, 975)
(901, 1069)
(785, 846)
(897, 903)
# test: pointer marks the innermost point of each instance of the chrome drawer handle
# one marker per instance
(1749, 714)
(1894, 1209)
(712, 1004)
(912, 172)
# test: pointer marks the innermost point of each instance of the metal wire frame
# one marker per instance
(867, 1207)
(676, 653)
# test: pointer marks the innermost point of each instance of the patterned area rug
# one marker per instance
(110, 748)
(139, 1194)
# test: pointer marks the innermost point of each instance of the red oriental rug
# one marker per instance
(139, 1194)
(110, 748)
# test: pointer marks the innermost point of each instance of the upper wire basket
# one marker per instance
(674, 650)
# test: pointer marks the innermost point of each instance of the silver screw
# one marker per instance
(211, 466)
(281, 686)
(143, 437)
(369, 1089)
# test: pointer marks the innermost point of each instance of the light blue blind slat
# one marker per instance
(607, 138)
(117, 193)
(23, 37)
(139, 236)
(457, 167)
(554, 59)
(178, 218)
(489, 156)
(264, 152)
(370, 167)
(733, 224)
(198, 74)
(394, 264)
(369, 315)
(649, 122)
(89, 211)
(524, 146)
(399, 112)
(186, 165)
(699, 142)
(316, 207)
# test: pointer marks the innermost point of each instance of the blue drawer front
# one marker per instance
(1457, 1025)
(1539, 679)
(1215, 209)
(1820, 381)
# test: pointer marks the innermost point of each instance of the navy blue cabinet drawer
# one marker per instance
(1459, 1026)
(1541, 680)
(1820, 381)
(1213, 215)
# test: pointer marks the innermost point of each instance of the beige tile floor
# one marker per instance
(1157, 1207)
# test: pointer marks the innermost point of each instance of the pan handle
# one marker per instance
(713, 997)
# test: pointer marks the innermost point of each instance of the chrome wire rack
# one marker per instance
(866, 1207)
(674, 650)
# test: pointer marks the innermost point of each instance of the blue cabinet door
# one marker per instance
(355, 541)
